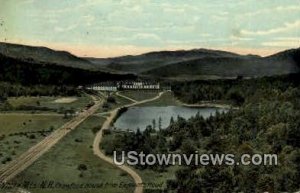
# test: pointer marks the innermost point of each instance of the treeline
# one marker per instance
(234, 91)
(14, 90)
(31, 73)
(267, 122)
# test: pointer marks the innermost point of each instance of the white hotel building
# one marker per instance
(125, 85)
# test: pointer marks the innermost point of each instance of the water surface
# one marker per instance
(141, 117)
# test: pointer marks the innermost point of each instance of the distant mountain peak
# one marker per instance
(43, 55)
(202, 62)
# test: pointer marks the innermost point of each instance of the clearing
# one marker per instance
(72, 161)
(65, 100)
(18, 132)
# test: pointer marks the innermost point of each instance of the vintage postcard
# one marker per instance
(149, 96)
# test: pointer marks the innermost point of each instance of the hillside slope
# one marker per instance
(43, 55)
(38, 65)
(199, 63)
(282, 63)
(152, 60)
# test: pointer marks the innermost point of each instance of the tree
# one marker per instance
(65, 114)
(159, 123)
(111, 99)
(236, 97)
(265, 184)
(82, 167)
(172, 121)
(72, 111)
(153, 124)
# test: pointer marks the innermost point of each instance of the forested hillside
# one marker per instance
(266, 122)
(203, 63)
(31, 73)
(229, 66)
(43, 55)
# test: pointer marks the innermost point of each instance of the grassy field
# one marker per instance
(140, 95)
(63, 162)
(49, 102)
(167, 99)
(120, 101)
(18, 132)
(22, 122)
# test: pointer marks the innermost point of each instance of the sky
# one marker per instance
(107, 28)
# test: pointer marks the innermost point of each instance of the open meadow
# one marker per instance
(20, 131)
(72, 161)
(48, 103)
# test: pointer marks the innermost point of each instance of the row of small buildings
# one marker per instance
(125, 85)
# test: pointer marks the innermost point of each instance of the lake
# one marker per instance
(141, 117)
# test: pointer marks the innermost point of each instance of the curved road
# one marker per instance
(106, 125)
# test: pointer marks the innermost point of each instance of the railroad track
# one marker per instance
(18, 165)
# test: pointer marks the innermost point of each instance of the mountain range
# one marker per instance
(30, 65)
(43, 55)
(181, 64)
(203, 63)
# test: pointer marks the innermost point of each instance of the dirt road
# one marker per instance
(126, 97)
(30, 156)
(106, 125)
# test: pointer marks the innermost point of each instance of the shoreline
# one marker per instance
(207, 104)
(99, 136)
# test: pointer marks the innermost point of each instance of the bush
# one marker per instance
(2, 137)
(82, 167)
(95, 129)
(105, 106)
(32, 136)
(8, 159)
(106, 132)
(78, 140)
(111, 99)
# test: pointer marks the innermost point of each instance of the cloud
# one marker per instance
(174, 10)
(65, 29)
(287, 43)
(206, 35)
(142, 36)
(286, 27)
(136, 8)
(89, 19)
(53, 21)
(219, 18)
(75, 7)
(296, 39)
(178, 8)
(27, 2)
(238, 38)
(272, 10)
(288, 8)
(283, 42)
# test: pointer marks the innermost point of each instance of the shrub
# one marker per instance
(32, 136)
(111, 99)
(82, 167)
(95, 129)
